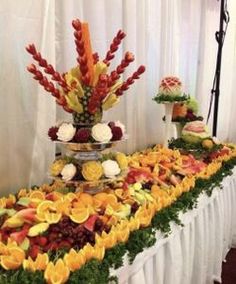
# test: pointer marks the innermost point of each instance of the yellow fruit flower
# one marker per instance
(57, 167)
(40, 262)
(92, 170)
(56, 273)
(74, 260)
(14, 258)
(122, 161)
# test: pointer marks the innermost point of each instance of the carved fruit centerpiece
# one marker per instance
(169, 93)
(87, 89)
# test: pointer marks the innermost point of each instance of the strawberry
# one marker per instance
(42, 241)
(34, 251)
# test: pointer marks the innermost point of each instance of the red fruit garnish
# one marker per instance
(41, 241)
(34, 251)
(52, 133)
(116, 133)
(19, 236)
(82, 135)
(89, 224)
(50, 196)
(111, 124)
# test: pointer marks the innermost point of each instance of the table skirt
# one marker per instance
(191, 254)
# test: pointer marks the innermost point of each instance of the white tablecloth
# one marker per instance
(193, 253)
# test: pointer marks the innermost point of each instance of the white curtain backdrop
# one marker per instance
(170, 37)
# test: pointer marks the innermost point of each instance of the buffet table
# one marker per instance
(192, 253)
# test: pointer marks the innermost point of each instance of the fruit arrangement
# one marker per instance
(87, 89)
(36, 224)
(71, 169)
(98, 133)
(186, 111)
(170, 90)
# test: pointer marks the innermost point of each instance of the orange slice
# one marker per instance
(37, 194)
(86, 198)
(17, 253)
(8, 262)
(52, 218)
(71, 196)
(102, 196)
(63, 206)
(79, 215)
(44, 206)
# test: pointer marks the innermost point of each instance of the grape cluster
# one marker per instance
(66, 231)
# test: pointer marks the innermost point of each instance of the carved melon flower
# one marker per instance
(110, 168)
(101, 132)
(66, 132)
(68, 172)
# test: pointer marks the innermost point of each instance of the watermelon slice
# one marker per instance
(28, 215)
(90, 223)
(19, 237)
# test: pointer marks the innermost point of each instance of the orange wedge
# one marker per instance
(97, 204)
(63, 206)
(79, 215)
(8, 262)
(86, 198)
(71, 196)
(44, 206)
(99, 252)
(102, 196)
(74, 260)
(56, 273)
(52, 218)
(37, 194)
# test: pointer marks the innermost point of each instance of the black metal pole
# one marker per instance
(220, 40)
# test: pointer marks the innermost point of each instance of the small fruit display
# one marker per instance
(108, 166)
(186, 111)
(195, 132)
(170, 90)
(89, 88)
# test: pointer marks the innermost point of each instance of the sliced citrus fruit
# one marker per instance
(71, 196)
(79, 204)
(37, 194)
(44, 206)
(41, 261)
(52, 218)
(79, 215)
(99, 252)
(88, 251)
(102, 196)
(8, 262)
(74, 260)
(111, 198)
(86, 198)
(63, 206)
(17, 253)
(97, 204)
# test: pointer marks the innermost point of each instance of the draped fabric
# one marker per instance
(192, 254)
(170, 37)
